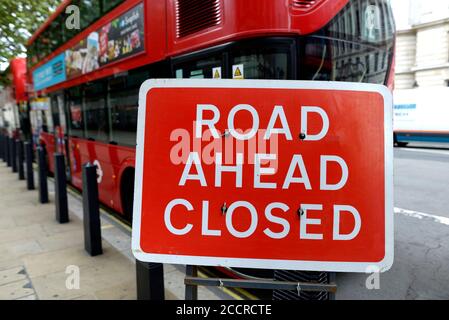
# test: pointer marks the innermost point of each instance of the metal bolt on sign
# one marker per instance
(224, 209)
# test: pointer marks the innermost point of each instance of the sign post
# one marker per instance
(287, 175)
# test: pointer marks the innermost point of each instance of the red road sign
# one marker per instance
(264, 174)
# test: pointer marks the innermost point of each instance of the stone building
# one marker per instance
(422, 43)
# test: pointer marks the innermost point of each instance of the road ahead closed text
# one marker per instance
(289, 175)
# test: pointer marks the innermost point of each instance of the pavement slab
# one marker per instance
(36, 251)
(37, 254)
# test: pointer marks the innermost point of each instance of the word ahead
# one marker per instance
(264, 174)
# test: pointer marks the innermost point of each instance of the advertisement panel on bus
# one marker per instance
(118, 39)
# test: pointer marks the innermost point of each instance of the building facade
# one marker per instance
(422, 43)
(421, 95)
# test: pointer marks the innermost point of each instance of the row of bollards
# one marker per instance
(149, 276)
(15, 152)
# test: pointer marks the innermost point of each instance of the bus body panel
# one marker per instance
(48, 140)
(249, 18)
(421, 114)
(19, 74)
(111, 162)
(241, 21)
(155, 43)
(13, 96)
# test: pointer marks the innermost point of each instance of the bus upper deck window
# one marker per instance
(355, 46)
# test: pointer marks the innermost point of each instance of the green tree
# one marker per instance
(18, 20)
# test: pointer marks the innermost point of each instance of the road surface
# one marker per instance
(421, 263)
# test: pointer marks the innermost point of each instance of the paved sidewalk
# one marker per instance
(36, 251)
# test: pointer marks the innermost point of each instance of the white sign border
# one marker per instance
(330, 266)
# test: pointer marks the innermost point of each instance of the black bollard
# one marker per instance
(13, 155)
(62, 208)
(150, 281)
(20, 169)
(8, 151)
(5, 148)
(43, 187)
(2, 147)
(91, 208)
(191, 291)
(29, 165)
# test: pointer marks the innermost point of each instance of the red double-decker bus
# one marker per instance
(14, 100)
(90, 77)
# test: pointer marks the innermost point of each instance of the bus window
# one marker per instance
(74, 108)
(207, 68)
(96, 117)
(46, 114)
(43, 121)
(355, 46)
(49, 120)
(268, 62)
(62, 115)
(108, 5)
(89, 11)
(55, 110)
(123, 98)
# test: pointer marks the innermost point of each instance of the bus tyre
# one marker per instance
(127, 193)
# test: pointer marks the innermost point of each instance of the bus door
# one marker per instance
(60, 124)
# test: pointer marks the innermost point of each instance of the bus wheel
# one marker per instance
(127, 193)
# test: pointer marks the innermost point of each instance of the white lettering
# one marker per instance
(357, 225)
(323, 173)
(304, 112)
(230, 213)
(167, 217)
(278, 220)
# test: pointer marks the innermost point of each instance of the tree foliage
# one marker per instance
(18, 20)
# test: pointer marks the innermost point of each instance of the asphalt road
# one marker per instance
(421, 264)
